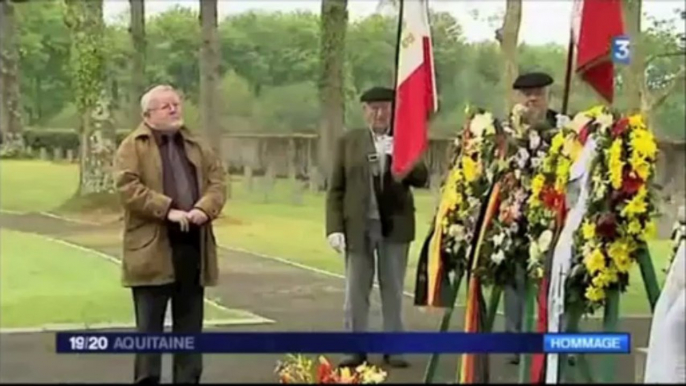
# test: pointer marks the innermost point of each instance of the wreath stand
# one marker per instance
(573, 317)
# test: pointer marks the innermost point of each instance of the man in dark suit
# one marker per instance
(370, 211)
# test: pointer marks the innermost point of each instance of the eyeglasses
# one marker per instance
(167, 107)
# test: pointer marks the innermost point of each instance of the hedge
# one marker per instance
(58, 138)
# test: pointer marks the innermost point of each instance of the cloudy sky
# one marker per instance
(543, 21)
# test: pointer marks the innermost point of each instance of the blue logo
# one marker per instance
(587, 343)
(621, 49)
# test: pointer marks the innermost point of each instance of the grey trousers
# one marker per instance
(515, 301)
(360, 267)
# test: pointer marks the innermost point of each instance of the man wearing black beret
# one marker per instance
(368, 211)
(533, 94)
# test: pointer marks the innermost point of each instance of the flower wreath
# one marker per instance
(620, 210)
(546, 204)
(301, 370)
(467, 185)
(505, 241)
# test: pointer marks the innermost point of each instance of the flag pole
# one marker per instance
(397, 63)
(568, 74)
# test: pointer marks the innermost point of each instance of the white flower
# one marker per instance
(544, 240)
(536, 162)
(599, 192)
(534, 253)
(522, 157)
(534, 140)
(498, 257)
(498, 239)
(456, 142)
(518, 109)
(518, 174)
(605, 121)
(456, 231)
(480, 124)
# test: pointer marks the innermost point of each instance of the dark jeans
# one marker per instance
(150, 305)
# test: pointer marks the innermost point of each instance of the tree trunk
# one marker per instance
(334, 23)
(137, 33)
(11, 116)
(209, 80)
(508, 44)
(85, 21)
(635, 72)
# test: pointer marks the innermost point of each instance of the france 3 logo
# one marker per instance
(621, 49)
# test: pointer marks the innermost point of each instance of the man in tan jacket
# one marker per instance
(171, 186)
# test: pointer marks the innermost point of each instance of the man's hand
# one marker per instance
(180, 217)
(197, 217)
(337, 241)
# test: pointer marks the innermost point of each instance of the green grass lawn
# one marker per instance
(45, 282)
(275, 227)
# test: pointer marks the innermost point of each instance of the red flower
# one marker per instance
(325, 372)
(607, 226)
(620, 127)
(551, 198)
(631, 183)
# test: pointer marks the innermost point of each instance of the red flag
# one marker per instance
(415, 97)
(595, 23)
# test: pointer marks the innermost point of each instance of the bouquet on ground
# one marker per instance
(302, 370)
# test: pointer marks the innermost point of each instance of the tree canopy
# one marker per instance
(270, 68)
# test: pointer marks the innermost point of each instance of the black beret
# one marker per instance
(378, 94)
(532, 80)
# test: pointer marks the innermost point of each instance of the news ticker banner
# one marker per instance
(328, 342)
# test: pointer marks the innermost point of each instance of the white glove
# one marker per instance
(337, 241)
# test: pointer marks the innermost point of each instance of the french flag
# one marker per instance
(415, 96)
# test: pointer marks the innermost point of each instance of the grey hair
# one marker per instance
(148, 96)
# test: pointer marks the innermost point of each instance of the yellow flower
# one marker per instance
(615, 163)
(619, 251)
(643, 170)
(634, 227)
(643, 143)
(605, 277)
(562, 174)
(557, 142)
(588, 230)
(347, 376)
(539, 272)
(596, 111)
(594, 294)
(636, 120)
(470, 169)
(595, 261)
(637, 205)
(537, 185)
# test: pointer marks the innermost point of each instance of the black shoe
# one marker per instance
(514, 360)
(395, 361)
(353, 360)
